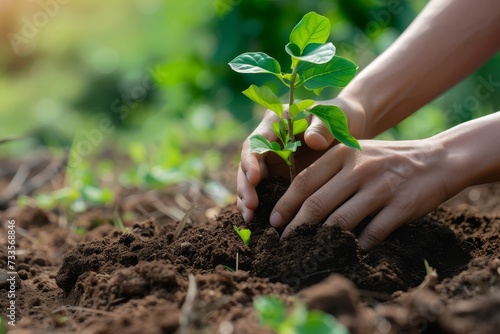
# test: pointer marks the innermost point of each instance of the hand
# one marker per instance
(255, 167)
(397, 181)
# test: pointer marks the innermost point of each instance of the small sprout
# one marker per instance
(244, 234)
(428, 268)
(118, 223)
(229, 268)
(272, 314)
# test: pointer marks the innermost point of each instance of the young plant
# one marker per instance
(314, 66)
(244, 234)
(272, 314)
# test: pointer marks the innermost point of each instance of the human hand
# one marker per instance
(398, 182)
(317, 138)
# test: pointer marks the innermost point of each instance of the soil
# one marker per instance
(136, 281)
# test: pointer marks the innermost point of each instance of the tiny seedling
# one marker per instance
(272, 314)
(244, 234)
(428, 268)
(314, 66)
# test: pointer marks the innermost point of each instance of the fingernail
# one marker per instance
(318, 136)
(275, 219)
(362, 244)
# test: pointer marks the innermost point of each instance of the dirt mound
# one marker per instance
(137, 281)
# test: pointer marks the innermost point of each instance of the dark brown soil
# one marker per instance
(107, 281)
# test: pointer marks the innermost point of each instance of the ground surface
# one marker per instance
(107, 281)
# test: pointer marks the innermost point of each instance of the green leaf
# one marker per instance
(336, 73)
(293, 146)
(320, 323)
(279, 128)
(244, 234)
(271, 311)
(255, 62)
(265, 97)
(260, 145)
(99, 196)
(313, 28)
(296, 108)
(137, 152)
(313, 53)
(317, 91)
(45, 201)
(299, 126)
(336, 121)
(66, 195)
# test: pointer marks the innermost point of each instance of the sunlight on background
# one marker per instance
(155, 72)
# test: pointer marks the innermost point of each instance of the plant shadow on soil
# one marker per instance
(137, 281)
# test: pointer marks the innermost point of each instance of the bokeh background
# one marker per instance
(149, 80)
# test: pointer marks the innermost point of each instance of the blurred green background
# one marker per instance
(149, 78)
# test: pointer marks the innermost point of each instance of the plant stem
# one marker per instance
(290, 122)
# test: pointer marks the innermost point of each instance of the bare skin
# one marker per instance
(396, 182)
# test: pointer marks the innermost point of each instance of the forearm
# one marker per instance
(472, 153)
(445, 43)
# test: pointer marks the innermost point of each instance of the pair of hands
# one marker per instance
(395, 182)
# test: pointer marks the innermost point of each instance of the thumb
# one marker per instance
(317, 136)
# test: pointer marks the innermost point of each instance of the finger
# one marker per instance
(320, 204)
(246, 191)
(252, 163)
(304, 185)
(317, 136)
(385, 222)
(250, 167)
(357, 208)
(248, 215)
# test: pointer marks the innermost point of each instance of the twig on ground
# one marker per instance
(188, 314)
(17, 181)
(45, 175)
(183, 222)
(16, 187)
(7, 140)
(170, 211)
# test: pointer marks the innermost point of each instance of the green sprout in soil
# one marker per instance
(314, 66)
(428, 268)
(272, 314)
(244, 234)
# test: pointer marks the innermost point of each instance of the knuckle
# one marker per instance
(342, 220)
(404, 207)
(285, 208)
(315, 207)
(373, 234)
(303, 182)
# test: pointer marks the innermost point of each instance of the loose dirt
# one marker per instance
(108, 281)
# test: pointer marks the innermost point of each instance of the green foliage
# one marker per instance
(244, 234)
(78, 195)
(273, 315)
(314, 66)
(3, 326)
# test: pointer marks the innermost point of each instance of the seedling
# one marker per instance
(314, 66)
(272, 314)
(244, 234)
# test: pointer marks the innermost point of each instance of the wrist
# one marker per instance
(470, 154)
